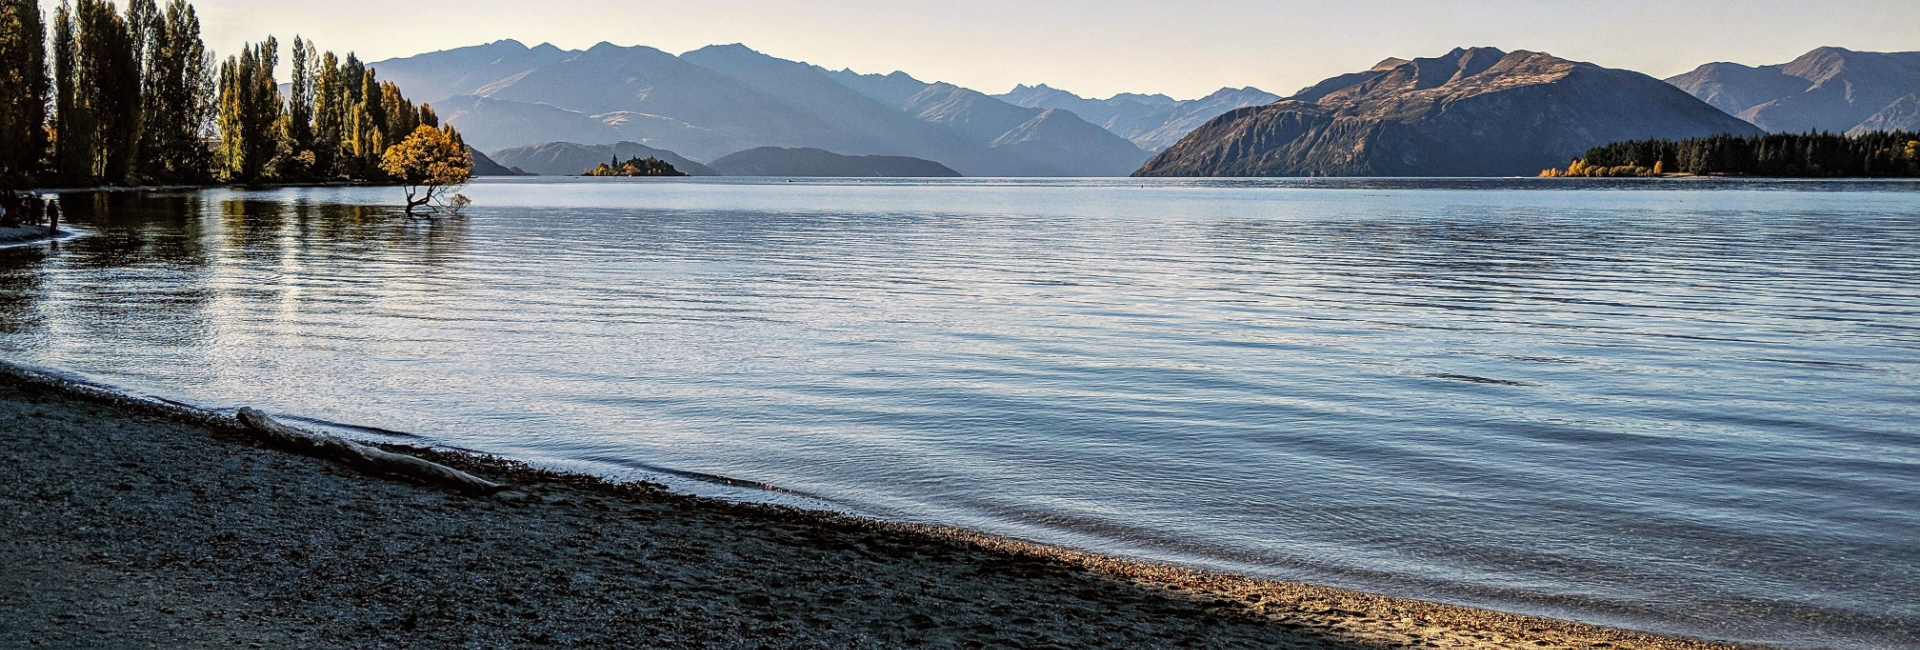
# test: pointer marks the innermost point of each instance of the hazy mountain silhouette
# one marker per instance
(436, 76)
(638, 82)
(1151, 122)
(1041, 142)
(1472, 112)
(1828, 89)
(484, 166)
(570, 159)
(716, 100)
(776, 161)
(1902, 115)
(495, 124)
(880, 129)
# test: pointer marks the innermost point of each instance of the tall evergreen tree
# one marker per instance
(177, 103)
(329, 115)
(72, 121)
(136, 96)
(250, 107)
(401, 116)
(23, 92)
(367, 121)
(355, 74)
(108, 85)
(300, 95)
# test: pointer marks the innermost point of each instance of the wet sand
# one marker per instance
(127, 524)
(17, 234)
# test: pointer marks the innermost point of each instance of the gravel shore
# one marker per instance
(126, 525)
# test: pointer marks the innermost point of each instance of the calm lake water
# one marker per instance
(1687, 407)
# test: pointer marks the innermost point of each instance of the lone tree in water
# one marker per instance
(430, 159)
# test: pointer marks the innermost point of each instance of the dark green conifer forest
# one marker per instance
(1780, 155)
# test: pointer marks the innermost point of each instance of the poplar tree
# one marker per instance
(23, 92)
(401, 116)
(177, 102)
(355, 74)
(300, 96)
(371, 116)
(250, 107)
(108, 86)
(72, 121)
(329, 110)
(136, 96)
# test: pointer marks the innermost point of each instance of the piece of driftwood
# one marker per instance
(364, 458)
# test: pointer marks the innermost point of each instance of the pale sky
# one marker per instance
(1098, 48)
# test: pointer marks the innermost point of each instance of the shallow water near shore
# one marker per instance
(1686, 407)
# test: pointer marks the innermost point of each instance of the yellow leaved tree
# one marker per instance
(429, 163)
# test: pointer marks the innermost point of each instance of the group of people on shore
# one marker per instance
(19, 209)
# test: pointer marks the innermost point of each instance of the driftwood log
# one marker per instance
(363, 457)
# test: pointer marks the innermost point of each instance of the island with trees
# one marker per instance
(648, 166)
(98, 97)
(1780, 155)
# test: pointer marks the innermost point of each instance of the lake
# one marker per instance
(1678, 406)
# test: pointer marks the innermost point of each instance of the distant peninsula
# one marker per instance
(1811, 155)
(777, 161)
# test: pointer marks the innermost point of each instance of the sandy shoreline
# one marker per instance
(132, 524)
(27, 234)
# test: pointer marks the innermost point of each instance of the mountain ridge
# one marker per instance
(1471, 112)
(717, 100)
(1827, 89)
(1151, 122)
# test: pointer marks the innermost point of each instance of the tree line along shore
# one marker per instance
(1780, 155)
(99, 97)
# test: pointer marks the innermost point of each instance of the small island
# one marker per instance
(648, 166)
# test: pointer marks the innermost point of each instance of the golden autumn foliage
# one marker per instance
(649, 166)
(428, 162)
(1580, 169)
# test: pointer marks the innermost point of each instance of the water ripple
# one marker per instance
(1681, 407)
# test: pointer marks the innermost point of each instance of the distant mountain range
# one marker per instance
(485, 166)
(1152, 122)
(722, 99)
(1472, 112)
(777, 161)
(1050, 142)
(1829, 89)
(1476, 111)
